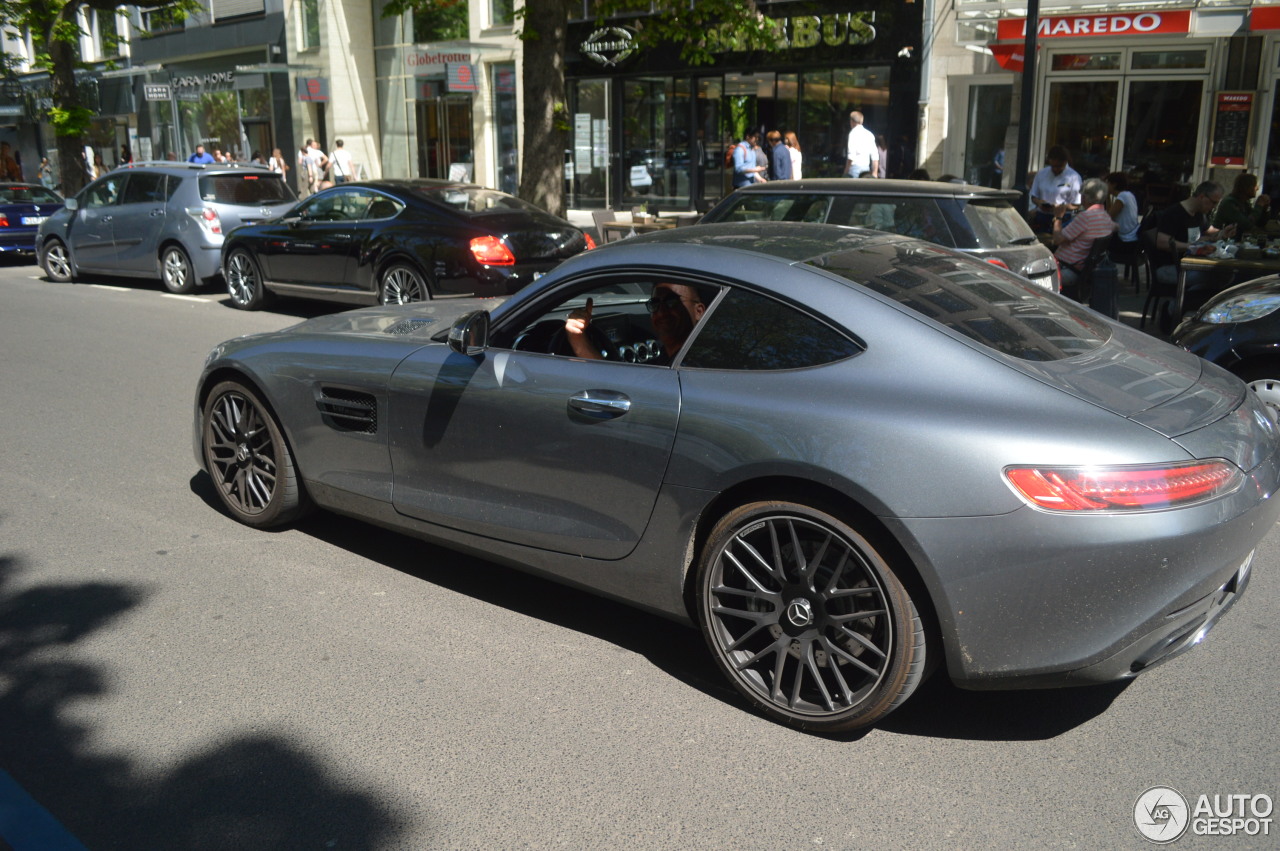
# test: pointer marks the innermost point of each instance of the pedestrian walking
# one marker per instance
(797, 158)
(340, 163)
(862, 153)
(779, 157)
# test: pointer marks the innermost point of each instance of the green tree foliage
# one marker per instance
(55, 34)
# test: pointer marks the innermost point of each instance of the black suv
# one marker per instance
(973, 219)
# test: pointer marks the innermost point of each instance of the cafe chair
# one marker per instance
(600, 217)
(1084, 286)
(1130, 257)
(1158, 296)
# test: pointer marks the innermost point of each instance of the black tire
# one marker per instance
(807, 619)
(244, 281)
(176, 271)
(401, 283)
(1264, 381)
(249, 459)
(56, 261)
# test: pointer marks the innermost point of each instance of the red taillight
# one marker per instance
(996, 261)
(4, 220)
(1124, 488)
(492, 251)
(591, 243)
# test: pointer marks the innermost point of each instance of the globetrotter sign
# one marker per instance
(1114, 23)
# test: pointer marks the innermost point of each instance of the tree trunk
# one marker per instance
(66, 96)
(546, 116)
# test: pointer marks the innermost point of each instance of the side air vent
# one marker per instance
(348, 410)
(408, 326)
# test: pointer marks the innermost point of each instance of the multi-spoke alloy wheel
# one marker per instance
(244, 282)
(402, 284)
(176, 270)
(248, 458)
(807, 619)
(57, 263)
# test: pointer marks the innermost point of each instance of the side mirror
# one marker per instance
(470, 333)
(71, 204)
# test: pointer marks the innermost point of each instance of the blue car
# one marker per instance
(23, 206)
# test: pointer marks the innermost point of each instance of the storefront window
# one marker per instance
(503, 85)
(655, 141)
(1169, 59)
(590, 185)
(500, 12)
(1086, 61)
(1159, 138)
(1081, 117)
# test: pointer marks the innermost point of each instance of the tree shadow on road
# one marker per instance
(938, 710)
(254, 790)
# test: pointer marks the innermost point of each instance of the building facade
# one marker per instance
(648, 127)
(1170, 94)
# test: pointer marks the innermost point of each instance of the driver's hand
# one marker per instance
(575, 328)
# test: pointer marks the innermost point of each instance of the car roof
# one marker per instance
(213, 168)
(792, 242)
(873, 186)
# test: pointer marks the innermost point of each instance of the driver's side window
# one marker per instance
(336, 207)
(619, 322)
(103, 193)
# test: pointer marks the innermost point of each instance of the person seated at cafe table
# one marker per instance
(1072, 243)
(1241, 208)
(1177, 229)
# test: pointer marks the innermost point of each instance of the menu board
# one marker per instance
(1232, 117)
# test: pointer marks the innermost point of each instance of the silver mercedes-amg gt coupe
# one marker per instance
(849, 458)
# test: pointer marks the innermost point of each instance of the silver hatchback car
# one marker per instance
(973, 219)
(161, 220)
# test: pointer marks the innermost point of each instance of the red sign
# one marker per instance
(1232, 119)
(1264, 18)
(1085, 26)
(1010, 57)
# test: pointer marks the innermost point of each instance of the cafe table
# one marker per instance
(1252, 262)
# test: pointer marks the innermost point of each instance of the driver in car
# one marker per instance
(674, 309)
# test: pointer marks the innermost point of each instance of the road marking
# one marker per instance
(27, 826)
(200, 299)
(113, 289)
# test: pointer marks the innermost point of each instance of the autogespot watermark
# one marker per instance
(1162, 814)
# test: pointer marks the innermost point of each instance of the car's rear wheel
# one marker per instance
(176, 271)
(807, 619)
(401, 284)
(57, 262)
(244, 281)
(248, 458)
(1265, 382)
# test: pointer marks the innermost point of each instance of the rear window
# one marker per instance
(245, 190)
(474, 199)
(986, 304)
(25, 194)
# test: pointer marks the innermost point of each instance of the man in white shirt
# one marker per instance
(863, 155)
(340, 161)
(1057, 184)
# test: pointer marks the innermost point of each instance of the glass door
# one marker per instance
(446, 149)
(1082, 116)
(591, 183)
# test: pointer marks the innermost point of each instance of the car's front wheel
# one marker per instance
(57, 262)
(401, 284)
(1265, 382)
(176, 271)
(248, 458)
(244, 280)
(807, 619)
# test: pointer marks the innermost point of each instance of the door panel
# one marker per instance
(139, 219)
(500, 447)
(90, 234)
(318, 246)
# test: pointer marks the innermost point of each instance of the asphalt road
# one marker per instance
(170, 679)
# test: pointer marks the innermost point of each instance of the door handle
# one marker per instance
(106, 220)
(600, 404)
(158, 212)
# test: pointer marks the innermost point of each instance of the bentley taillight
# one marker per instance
(492, 251)
(1127, 488)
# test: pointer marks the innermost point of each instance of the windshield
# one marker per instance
(475, 199)
(986, 304)
(245, 190)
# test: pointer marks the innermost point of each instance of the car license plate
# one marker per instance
(33, 220)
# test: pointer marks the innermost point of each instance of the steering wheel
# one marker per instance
(560, 345)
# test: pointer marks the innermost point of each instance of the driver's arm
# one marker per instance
(575, 328)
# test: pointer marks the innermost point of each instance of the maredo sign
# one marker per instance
(1085, 26)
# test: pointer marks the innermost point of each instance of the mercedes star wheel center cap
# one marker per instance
(800, 612)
